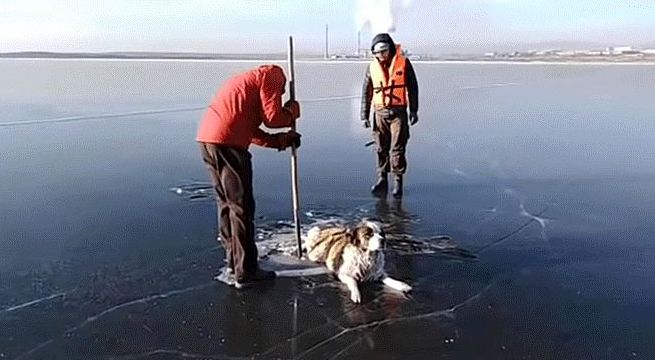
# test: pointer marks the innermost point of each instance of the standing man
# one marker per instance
(231, 123)
(390, 84)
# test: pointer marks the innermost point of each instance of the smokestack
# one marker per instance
(327, 52)
(359, 35)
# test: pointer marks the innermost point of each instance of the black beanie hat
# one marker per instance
(385, 38)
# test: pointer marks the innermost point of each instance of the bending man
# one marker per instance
(230, 124)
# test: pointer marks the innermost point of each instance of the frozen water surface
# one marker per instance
(526, 228)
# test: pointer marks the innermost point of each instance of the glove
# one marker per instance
(413, 118)
(366, 123)
(293, 107)
(286, 139)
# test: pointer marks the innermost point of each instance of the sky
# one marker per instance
(263, 26)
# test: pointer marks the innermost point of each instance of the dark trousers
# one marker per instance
(391, 134)
(231, 172)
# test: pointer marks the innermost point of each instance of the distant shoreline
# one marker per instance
(350, 61)
(137, 56)
(199, 57)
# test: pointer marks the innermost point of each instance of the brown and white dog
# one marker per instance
(353, 254)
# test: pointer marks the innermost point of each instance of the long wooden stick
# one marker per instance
(294, 153)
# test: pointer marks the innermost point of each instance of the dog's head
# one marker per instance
(368, 235)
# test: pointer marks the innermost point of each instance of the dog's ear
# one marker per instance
(351, 234)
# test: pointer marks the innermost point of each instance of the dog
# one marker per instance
(353, 254)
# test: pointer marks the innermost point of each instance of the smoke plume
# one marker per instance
(378, 15)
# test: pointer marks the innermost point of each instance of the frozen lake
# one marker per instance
(541, 177)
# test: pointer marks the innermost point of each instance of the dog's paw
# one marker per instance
(404, 287)
(356, 297)
(396, 284)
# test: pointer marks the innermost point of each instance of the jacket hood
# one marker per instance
(385, 38)
(274, 77)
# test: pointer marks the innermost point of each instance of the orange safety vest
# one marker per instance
(389, 88)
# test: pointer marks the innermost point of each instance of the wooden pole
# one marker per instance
(294, 152)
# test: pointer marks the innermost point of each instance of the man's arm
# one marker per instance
(367, 96)
(270, 93)
(412, 87)
(278, 141)
(264, 139)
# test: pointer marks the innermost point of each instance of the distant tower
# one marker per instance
(359, 47)
(327, 52)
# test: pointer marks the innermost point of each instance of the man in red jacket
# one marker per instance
(230, 124)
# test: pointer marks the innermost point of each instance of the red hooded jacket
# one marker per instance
(242, 104)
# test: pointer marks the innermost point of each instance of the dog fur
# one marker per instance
(353, 254)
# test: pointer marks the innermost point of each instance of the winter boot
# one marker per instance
(226, 276)
(397, 186)
(253, 277)
(380, 187)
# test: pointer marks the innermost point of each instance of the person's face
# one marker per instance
(382, 56)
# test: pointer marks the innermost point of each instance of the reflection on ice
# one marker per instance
(194, 190)
(276, 237)
(441, 244)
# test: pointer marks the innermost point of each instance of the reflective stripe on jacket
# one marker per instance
(389, 87)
